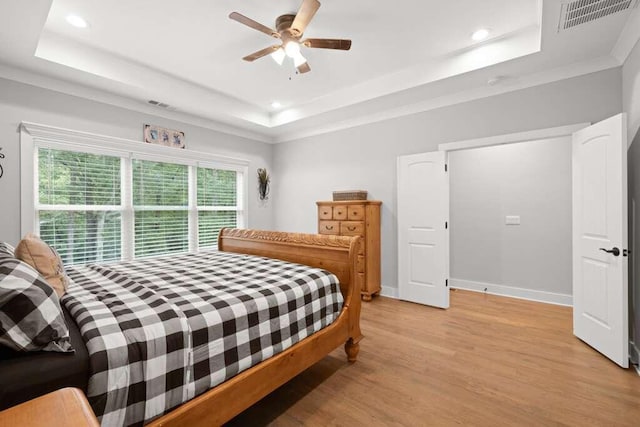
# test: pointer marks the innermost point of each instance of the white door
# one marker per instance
(600, 290)
(423, 242)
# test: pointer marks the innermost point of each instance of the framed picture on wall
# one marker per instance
(163, 136)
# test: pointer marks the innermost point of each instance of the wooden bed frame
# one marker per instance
(336, 254)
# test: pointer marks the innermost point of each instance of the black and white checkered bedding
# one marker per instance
(161, 331)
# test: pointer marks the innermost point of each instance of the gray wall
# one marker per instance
(364, 157)
(531, 180)
(20, 102)
(631, 105)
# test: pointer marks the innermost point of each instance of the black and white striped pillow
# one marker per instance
(31, 318)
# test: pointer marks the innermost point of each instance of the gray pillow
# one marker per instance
(31, 318)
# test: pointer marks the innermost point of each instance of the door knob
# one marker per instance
(615, 251)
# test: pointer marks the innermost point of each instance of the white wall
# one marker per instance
(631, 105)
(531, 180)
(364, 157)
(20, 102)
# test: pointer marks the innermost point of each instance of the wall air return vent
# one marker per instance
(582, 11)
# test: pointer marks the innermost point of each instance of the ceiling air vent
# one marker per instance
(582, 11)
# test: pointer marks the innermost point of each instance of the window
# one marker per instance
(217, 204)
(97, 205)
(161, 207)
(79, 205)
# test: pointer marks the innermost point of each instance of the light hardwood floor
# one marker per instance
(487, 361)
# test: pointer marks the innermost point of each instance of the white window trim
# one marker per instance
(34, 136)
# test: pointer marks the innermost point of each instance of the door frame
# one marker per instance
(514, 138)
(505, 139)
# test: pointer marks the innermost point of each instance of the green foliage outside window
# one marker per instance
(80, 205)
(79, 179)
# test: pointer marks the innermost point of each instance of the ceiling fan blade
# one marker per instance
(304, 16)
(253, 24)
(304, 68)
(259, 54)
(339, 44)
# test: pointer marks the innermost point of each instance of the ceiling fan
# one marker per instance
(289, 29)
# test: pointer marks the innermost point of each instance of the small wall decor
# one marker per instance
(263, 183)
(163, 136)
(1, 170)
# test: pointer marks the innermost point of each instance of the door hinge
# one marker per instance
(446, 225)
(626, 252)
(445, 167)
(446, 282)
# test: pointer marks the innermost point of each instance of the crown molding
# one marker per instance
(75, 89)
(574, 70)
(523, 82)
(629, 36)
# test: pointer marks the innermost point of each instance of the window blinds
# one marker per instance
(161, 205)
(95, 208)
(78, 202)
(217, 199)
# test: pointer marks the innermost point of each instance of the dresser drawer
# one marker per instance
(355, 213)
(329, 227)
(352, 228)
(340, 212)
(324, 212)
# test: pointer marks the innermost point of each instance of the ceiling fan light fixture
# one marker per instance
(279, 56)
(292, 49)
(298, 60)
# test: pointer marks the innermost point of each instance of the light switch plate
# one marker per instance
(512, 220)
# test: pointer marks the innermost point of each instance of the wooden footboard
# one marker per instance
(336, 254)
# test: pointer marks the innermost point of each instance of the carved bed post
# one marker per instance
(354, 303)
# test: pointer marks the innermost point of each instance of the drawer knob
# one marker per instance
(325, 213)
(329, 227)
(352, 228)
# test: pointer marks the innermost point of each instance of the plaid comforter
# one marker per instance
(161, 331)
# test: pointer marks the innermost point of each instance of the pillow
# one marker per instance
(31, 318)
(39, 255)
(7, 249)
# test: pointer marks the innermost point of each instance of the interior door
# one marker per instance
(423, 242)
(600, 290)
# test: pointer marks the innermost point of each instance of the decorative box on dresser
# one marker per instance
(357, 218)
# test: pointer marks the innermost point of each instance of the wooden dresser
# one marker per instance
(357, 218)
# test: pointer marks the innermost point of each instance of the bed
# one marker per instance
(323, 313)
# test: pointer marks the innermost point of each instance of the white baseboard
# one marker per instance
(388, 291)
(513, 292)
(634, 353)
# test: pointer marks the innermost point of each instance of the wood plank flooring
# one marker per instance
(487, 361)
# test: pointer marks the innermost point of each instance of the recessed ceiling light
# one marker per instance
(77, 21)
(480, 34)
(495, 80)
(276, 104)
